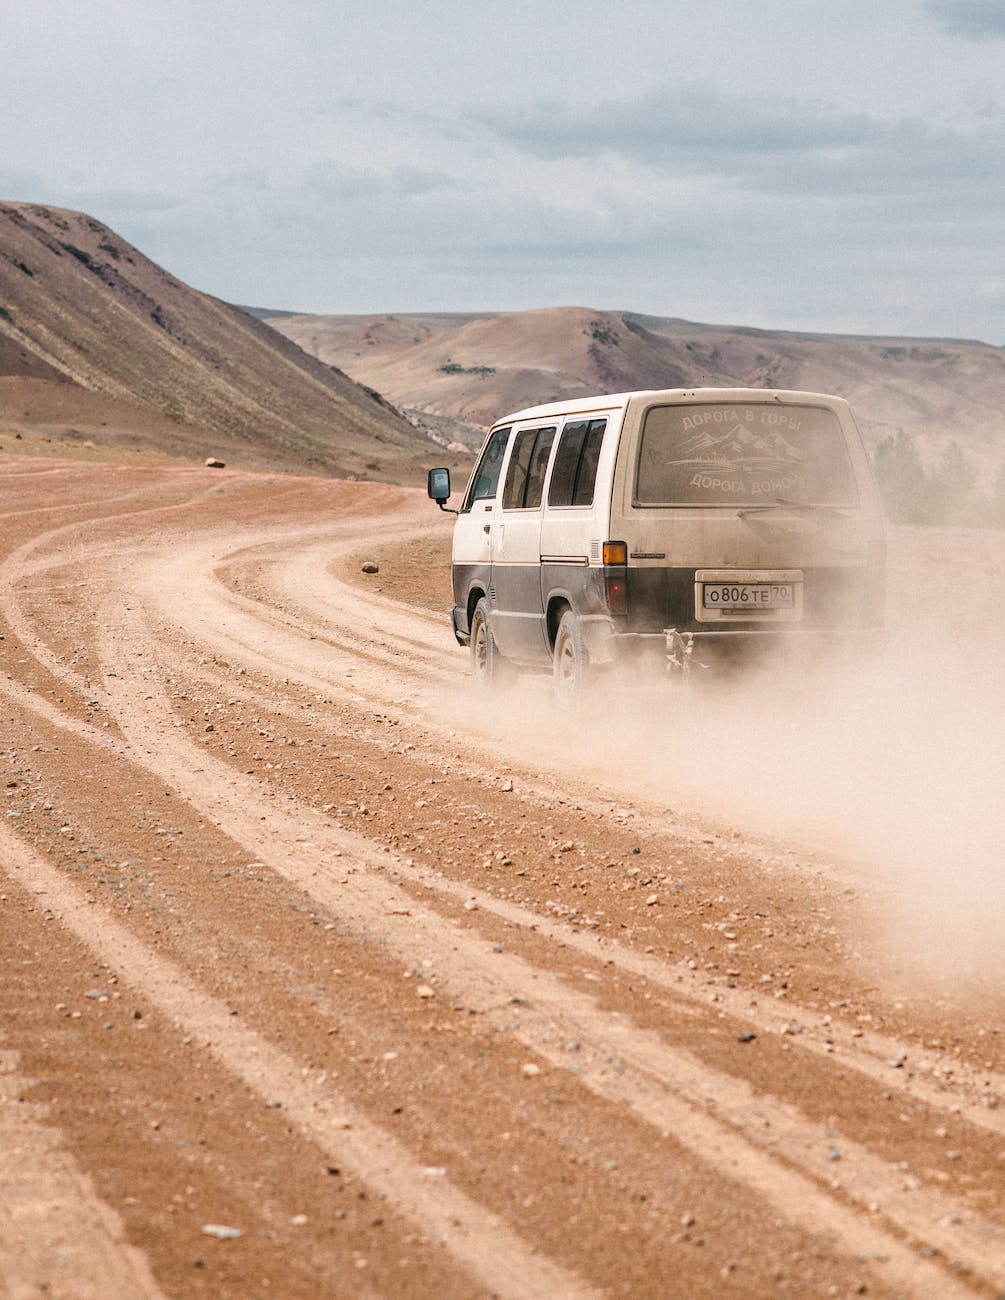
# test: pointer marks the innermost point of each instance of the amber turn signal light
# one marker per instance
(615, 552)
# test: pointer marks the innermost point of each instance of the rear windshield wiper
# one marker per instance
(785, 503)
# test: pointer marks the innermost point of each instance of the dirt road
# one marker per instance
(317, 980)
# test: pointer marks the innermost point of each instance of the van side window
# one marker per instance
(528, 464)
(575, 474)
(485, 480)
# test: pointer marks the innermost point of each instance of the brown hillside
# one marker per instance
(95, 337)
(494, 363)
(933, 389)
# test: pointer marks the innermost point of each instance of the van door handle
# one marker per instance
(486, 528)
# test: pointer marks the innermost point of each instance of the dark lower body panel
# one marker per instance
(838, 604)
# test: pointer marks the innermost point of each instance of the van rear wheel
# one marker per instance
(487, 666)
(571, 665)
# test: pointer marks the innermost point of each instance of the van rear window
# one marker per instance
(743, 453)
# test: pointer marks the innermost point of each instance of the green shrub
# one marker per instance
(452, 368)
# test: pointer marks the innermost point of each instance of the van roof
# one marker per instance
(618, 401)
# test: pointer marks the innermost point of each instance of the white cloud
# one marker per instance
(696, 130)
(692, 121)
(974, 19)
(774, 164)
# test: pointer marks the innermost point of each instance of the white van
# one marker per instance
(681, 522)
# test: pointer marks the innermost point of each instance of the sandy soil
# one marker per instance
(318, 978)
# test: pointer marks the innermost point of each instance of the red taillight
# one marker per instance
(616, 584)
(616, 595)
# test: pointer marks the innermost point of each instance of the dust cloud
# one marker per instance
(892, 757)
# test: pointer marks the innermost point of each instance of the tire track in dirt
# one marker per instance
(297, 574)
(743, 1139)
(190, 567)
(648, 1069)
(42, 552)
(869, 1053)
(412, 647)
(77, 504)
(477, 1239)
(652, 969)
(57, 1237)
(292, 646)
(304, 576)
(546, 1033)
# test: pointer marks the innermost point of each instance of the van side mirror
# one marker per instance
(438, 488)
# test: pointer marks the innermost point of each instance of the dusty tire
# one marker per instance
(488, 668)
(571, 663)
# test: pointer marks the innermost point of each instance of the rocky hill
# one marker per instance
(99, 343)
(475, 368)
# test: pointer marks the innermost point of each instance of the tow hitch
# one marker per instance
(680, 652)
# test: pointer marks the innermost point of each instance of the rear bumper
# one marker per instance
(737, 646)
(608, 640)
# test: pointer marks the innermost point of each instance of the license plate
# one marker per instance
(740, 596)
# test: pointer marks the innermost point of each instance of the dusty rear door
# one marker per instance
(748, 512)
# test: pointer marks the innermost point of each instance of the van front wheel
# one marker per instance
(571, 662)
(487, 666)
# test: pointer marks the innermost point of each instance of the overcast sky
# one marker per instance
(831, 165)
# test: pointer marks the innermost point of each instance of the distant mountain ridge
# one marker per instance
(97, 341)
(93, 332)
(476, 368)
